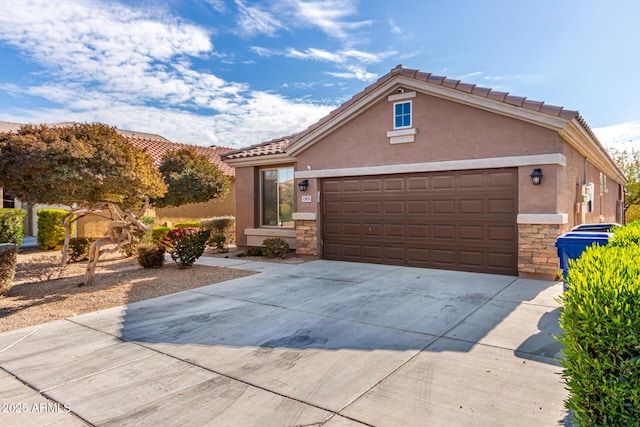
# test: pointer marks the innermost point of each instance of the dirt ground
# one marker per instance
(38, 297)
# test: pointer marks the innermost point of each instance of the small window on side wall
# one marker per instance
(402, 115)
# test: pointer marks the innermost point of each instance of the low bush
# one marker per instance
(150, 255)
(149, 220)
(79, 248)
(601, 334)
(11, 226)
(218, 242)
(187, 224)
(274, 248)
(186, 245)
(41, 268)
(225, 225)
(158, 233)
(252, 251)
(50, 229)
(8, 261)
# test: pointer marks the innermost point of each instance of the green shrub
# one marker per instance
(252, 251)
(601, 336)
(632, 214)
(187, 224)
(225, 225)
(158, 233)
(50, 229)
(8, 261)
(218, 242)
(149, 220)
(150, 255)
(79, 248)
(274, 248)
(186, 245)
(626, 235)
(11, 226)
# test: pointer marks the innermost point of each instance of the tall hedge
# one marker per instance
(12, 226)
(50, 229)
(601, 334)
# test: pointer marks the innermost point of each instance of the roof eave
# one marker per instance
(263, 160)
(587, 145)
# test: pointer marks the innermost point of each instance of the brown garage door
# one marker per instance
(461, 220)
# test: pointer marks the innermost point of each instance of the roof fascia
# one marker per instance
(575, 134)
(267, 159)
(537, 118)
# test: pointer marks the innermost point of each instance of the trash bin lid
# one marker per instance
(596, 227)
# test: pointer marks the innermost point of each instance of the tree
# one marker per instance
(190, 178)
(87, 167)
(629, 163)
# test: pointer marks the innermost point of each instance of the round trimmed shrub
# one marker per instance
(150, 255)
(11, 226)
(50, 229)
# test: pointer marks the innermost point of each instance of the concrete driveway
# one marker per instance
(318, 343)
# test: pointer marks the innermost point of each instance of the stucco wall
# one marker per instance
(445, 130)
(96, 225)
(247, 205)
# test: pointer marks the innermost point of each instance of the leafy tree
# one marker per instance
(629, 162)
(190, 178)
(88, 167)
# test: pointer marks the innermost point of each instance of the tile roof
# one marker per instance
(279, 145)
(275, 146)
(156, 148)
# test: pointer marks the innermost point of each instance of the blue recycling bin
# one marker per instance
(598, 227)
(571, 245)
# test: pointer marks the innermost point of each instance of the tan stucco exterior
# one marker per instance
(449, 131)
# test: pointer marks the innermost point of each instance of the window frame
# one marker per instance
(395, 116)
(261, 201)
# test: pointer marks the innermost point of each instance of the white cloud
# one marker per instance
(619, 137)
(328, 15)
(132, 68)
(253, 20)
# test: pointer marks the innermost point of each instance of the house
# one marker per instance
(156, 146)
(421, 170)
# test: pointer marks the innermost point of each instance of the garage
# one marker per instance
(459, 220)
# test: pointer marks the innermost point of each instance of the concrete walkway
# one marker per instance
(318, 343)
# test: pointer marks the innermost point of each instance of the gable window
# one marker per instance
(276, 202)
(402, 115)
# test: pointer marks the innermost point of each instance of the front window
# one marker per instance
(402, 115)
(277, 197)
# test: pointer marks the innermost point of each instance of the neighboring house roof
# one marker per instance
(155, 145)
(9, 126)
(283, 145)
(156, 148)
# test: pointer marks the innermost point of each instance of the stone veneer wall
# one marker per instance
(307, 238)
(537, 252)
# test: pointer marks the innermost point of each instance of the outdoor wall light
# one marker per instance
(536, 176)
(303, 185)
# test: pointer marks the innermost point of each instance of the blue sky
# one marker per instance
(237, 72)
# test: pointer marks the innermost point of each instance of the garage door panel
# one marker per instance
(444, 231)
(455, 220)
(394, 207)
(501, 206)
(472, 207)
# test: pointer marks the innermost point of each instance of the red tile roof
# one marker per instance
(279, 145)
(156, 148)
(275, 146)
